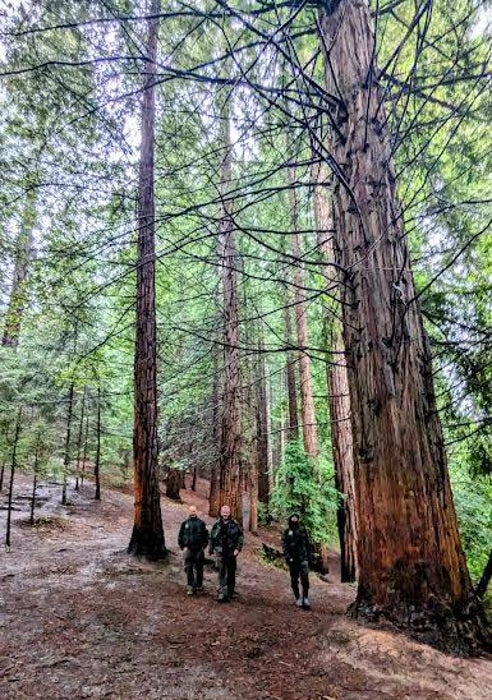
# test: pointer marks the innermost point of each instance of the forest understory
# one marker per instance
(80, 618)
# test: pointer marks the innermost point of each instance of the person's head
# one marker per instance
(192, 512)
(225, 512)
(294, 520)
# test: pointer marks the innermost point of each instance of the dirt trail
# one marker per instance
(79, 618)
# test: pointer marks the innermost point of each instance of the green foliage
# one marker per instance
(306, 488)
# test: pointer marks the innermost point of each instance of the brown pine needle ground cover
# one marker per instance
(79, 618)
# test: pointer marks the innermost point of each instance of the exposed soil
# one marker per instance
(79, 618)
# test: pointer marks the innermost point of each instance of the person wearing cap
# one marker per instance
(192, 540)
(295, 545)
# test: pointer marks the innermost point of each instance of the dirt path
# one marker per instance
(81, 619)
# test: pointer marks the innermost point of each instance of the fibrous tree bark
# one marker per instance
(148, 535)
(337, 383)
(412, 569)
(229, 481)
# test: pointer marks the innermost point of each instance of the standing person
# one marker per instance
(295, 544)
(192, 540)
(226, 541)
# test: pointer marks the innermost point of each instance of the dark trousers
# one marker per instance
(193, 566)
(226, 565)
(299, 570)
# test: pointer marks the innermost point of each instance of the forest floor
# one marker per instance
(79, 618)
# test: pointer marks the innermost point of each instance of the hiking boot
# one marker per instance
(300, 602)
(190, 590)
(222, 598)
(305, 603)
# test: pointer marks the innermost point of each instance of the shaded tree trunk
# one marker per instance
(216, 413)
(86, 448)
(148, 534)
(338, 389)
(230, 435)
(309, 429)
(34, 480)
(97, 463)
(18, 293)
(66, 452)
(13, 466)
(482, 585)
(293, 420)
(174, 483)
(412, 570)
(79, 438)
(262, 432)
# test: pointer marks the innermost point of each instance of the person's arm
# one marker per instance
(181, 542)
(204, 535)
(239, 540)
(285, 547)
(211, 544)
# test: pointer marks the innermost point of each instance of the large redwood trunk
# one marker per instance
(338, 389)
(412, 570)
(229, 486)
(148, 535)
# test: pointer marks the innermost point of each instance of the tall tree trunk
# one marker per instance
(18, 293)
(66, 452)
(148, 534)
(174, 483)
(309, 429)
(293, 420)
(230, 436)
(412, 570)
(338, 389)
(216, 413)
(13, 465)
(86, 448)
(97, 463)
(79, 438)
(35, 478)
(262, 432)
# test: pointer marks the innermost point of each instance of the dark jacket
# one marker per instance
(193, 534)
(225, 537)
(295, 544)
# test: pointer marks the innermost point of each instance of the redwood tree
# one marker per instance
(412, 569)
(148, 534)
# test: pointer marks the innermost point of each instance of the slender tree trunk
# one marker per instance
(216, 413)
(412, 570)
(18, 294)
(482, 585)
(309, 429)
(195, 477)
(148, 535)
(230, 436)
(66, 453)
(293, 421)
(34, 480)
(13, 466)
(97, 464)
(262, 432)
(79, 438)
(86, 447)
(338, 389)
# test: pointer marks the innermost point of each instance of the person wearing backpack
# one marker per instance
(296, 548)
(193, 540)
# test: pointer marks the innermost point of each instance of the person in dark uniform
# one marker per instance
(296, 547)
(226, 541)
(193, 540)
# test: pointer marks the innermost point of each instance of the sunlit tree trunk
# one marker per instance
(412, 570)
(337, 383)
(148, 534)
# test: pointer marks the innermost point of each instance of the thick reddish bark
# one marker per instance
(338, 389)
(411, 564)
(229, 482)
(148, 535)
